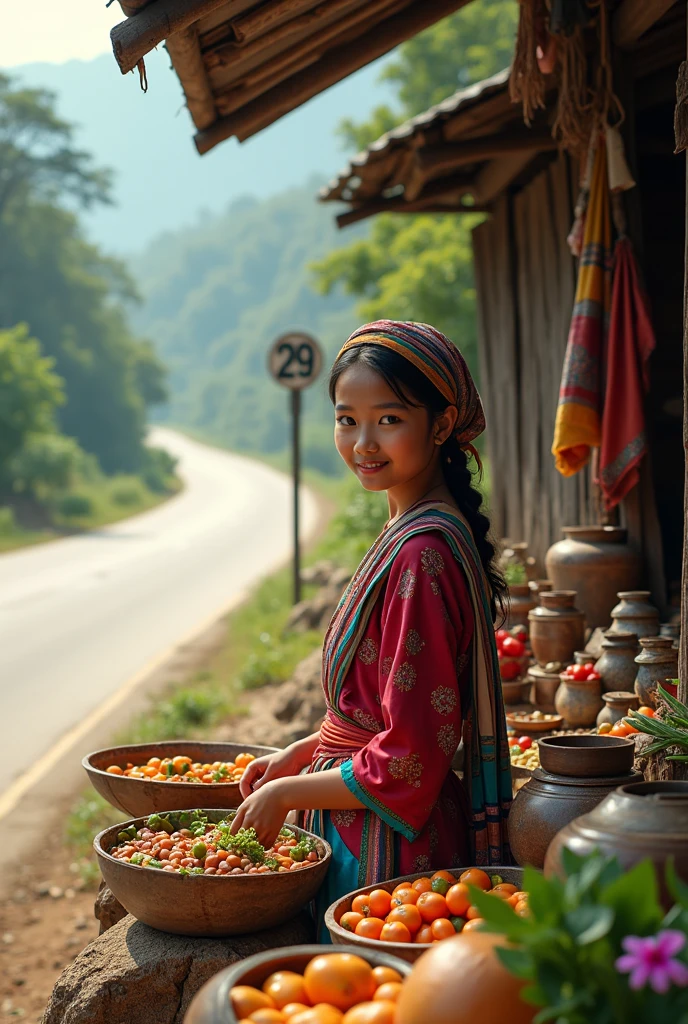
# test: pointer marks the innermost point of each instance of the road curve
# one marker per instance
(81, 616)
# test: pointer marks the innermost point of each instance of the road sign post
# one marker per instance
(295, 361)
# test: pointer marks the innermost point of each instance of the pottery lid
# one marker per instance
(612, 696)
(628, 778)
(597, 534)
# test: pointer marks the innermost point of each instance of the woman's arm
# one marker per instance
(289, 761)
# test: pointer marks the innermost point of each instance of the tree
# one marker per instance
(46, 463)
(30, 392)
(420, 267)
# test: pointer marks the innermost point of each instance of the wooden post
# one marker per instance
(634, 17)
(296, 469)
(186, 59)
(681, 144)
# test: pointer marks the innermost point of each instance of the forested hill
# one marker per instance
(216, 296)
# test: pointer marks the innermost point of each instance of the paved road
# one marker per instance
(80, 616)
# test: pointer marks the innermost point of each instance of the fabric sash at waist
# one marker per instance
(341, 739)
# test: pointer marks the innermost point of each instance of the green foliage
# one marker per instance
(127, 492)
(567, 948)
(360, 520)
(46, 463)
(8, 526)
(30, 392)
(158, 470)
(75, 505)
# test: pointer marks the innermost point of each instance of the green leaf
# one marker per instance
(517, 961)
(497, 913)
(634, 900)
(544, 895)
(589, 923)
(676, 886)
(572, 862)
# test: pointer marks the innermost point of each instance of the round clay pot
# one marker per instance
(549, 802)
(578, 701)
(514, 691)
(586, 757)
(557, 627)
(635, 822)
(520, 603)
(672, 629)
(581, 658)
(657, 662)
(596, 562)
(212, 1005)
(635, 614)
(617, 704)
(543, 687)
(617, 663)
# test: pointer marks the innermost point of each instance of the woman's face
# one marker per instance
(383, 441)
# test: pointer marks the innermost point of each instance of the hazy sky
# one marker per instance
(46, 30)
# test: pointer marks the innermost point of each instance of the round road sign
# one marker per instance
(295, 360)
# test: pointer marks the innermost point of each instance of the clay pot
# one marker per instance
(635, 614)
(543, 687)
(657, 662)
(578, 701)
(596, 562)
(514, 691)
(549, 802)
(557, 627)
(671, 629)
(617, 704)
(586, 757)
(617, 665)
(520, 603)
(635, 822)
(581, 658)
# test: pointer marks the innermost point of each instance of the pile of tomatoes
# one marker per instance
(335, 988)
(624, 727)
(582, 673)
(427, 910)
(183, 769)
(512, 651)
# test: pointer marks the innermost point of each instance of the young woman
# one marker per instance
(409, 663)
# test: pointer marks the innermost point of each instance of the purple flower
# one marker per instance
(652, 960)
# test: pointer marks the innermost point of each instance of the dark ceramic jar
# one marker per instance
(657, 662)
(578, 701)
(543, 688)
(557, 627)
(617, 704)
(549, 802)
(635, 822)
(617, 663)
(635, 614)
(596, 562)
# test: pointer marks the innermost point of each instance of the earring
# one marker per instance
(438, 440)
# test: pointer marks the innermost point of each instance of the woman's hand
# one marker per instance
(265, 811)
(285, 762)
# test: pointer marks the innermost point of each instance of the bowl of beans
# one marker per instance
(171, 775)
(184, 872)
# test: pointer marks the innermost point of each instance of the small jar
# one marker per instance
(635, 614)
(538, 587)
(657, 662)
(578, 701)
(617, 704)
(671, 629)
(520, 603)
(617, 664)
(557, 627)
(582, 658)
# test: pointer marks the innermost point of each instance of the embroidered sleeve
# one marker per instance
(427, 625)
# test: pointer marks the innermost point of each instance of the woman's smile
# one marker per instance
(370, 467)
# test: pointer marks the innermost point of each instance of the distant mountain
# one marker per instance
(217, 295)
(160, 181)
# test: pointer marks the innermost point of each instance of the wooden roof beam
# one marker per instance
(134, 38)
(334, 66)
(399, 206)
(187, 62)
(268, 16)
(634, 17)
(499, 174)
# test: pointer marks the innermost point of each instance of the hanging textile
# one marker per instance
(578, 428)
(631, 342)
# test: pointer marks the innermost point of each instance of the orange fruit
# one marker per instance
(245, 999)
(446, 875)
(424, 935)
(370, 927)
(406, 914)
(285, 987)
(518, 896)
(323, 1013)
(341, 979)
(267, 1015)
(350, 920)
(458, 899)
(389, 991)
(422, 885)
(620, 729)
(383, 975)
(505, 887)
(472, 913)
(377, 1012)
(379, 902)
(405, 895)
(478, 878)
(471, 925)
(521, 908)
(361, 905)
(291, 1009)
(432, 906)
(650, 712)
(442, 928)
(395, 932)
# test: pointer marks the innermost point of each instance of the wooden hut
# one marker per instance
(474, 152)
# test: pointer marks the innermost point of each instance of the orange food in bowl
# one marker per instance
(384, 975)
(376, 1012)
(246, 999)
(477, 877)
(341, 979)
(285, 987)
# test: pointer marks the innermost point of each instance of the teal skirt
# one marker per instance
(341, 878)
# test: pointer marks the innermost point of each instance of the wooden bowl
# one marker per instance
(586, 756)
(514, 692)
(525, 727)
(212, 1005)
(211, 906)
(404, 950)
(139, 797)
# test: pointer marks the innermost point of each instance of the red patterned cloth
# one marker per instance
(405, 689)
(631, 342)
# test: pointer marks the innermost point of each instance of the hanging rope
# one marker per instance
(526, 82)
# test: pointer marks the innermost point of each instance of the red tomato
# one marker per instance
(513, 648)
(579, 673)
(513, 742)
(509, 670)
(593, 676)
(525, 742)
(501, 635)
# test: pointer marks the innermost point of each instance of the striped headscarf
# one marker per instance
(438, 359)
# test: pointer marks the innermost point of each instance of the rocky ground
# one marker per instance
(49, 917)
